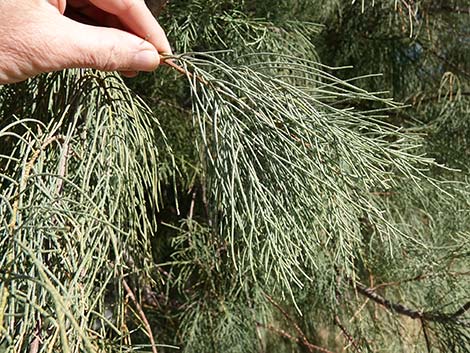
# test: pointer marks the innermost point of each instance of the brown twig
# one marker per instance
(169, 60)
(193, 202)
(346, 334)
(302, 337)
(287, 316)
(426, 337)
(358, 311)
(131, 295)
(403, 310)
(282, 333)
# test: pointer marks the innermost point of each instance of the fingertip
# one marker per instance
(146, 60)
(136, 16)
(161, 42)
(129, 74)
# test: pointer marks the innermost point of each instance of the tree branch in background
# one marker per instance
(311, 347)
(131, 295)
(403, 310)
(346, 334)
(426, 337)
(287, 316)
(302, 339)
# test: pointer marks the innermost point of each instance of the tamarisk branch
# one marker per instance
(412, 313)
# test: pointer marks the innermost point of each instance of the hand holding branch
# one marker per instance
(43, 36)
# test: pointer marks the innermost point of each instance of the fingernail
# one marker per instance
(146, 60)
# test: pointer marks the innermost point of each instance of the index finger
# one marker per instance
(138, 18)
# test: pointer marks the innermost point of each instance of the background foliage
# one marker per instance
(295, 180)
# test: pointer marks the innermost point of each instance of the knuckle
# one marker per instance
(106, 59)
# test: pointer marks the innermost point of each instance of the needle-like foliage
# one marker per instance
(80, 175)
(289, 175)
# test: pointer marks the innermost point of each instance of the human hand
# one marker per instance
(43, 36)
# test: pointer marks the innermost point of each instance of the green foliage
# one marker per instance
(250, 196)
(80, 181)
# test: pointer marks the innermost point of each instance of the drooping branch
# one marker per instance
(406, 311)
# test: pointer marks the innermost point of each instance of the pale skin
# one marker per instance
(39, 36)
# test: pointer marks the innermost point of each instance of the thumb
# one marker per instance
(106, 49)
